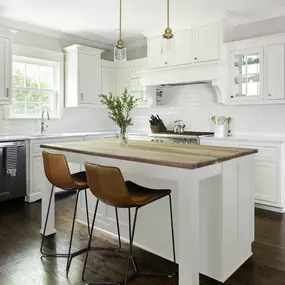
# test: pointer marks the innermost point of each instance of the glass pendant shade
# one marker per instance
(167, 45)
(120, 53)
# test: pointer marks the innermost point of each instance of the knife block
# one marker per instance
(159, 128)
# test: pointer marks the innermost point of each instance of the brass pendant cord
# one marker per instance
(120, 19)
(168, 12)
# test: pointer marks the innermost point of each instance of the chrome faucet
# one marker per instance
(43, 126)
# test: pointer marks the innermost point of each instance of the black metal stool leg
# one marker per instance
(87, 212)
(89, 242)
(118, 228)
(131, 237)
(45, 227)
(69, 257)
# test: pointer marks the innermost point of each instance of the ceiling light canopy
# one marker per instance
(120, 51)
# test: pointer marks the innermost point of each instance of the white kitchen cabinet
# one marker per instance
(109, 77)
(275, 72)
(82, 76)
(266, 181)
(200, 44)
(206, 43)
(5, 71)
(124, 79)
(247, 68)
(183, 52)
(156, 57)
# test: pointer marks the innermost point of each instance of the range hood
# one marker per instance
(210, 72)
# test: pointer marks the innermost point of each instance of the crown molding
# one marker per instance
(25, 27)
(236, 20)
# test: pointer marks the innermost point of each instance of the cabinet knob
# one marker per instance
(166, 62)
(269, 94)
(232, 96)
(195, 58)
(81, 96)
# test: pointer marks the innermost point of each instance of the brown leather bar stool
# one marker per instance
(107, 185)
(58, 174)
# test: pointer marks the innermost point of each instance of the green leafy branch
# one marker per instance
(119, 108)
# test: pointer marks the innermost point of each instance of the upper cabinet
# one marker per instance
(247, 74)
(257, 71)
(196, 45)
(275, 72)
(5, 71)
(109, 77)
(82, 76)
(206, 43)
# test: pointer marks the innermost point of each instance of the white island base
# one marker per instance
(213, 214)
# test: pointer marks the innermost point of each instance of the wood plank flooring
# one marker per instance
(21, 263)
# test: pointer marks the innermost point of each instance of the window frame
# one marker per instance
(58, 88)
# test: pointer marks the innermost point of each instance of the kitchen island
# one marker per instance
(212, 192)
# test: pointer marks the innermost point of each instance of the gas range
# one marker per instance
(183, 138)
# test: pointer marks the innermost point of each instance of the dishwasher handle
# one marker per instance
(17, 143)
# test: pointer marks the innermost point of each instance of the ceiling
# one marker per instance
(98, 20)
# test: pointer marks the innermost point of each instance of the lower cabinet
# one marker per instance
(268, 186)
(266, 181)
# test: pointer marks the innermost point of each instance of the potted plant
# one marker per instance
(119, 108)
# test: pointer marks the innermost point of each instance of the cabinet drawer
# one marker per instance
(271, 152)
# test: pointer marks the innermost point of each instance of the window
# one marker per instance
(35, 88)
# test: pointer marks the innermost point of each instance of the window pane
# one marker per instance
(32, 75)
(37, 101)
(46, 77)
(18, 107)
(18, 74)
(19, 95)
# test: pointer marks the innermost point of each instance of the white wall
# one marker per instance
(74, 119)
(196, 104)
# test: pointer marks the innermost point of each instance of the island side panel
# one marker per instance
(238, 213)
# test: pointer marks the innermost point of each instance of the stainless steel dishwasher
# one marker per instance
(13, 187)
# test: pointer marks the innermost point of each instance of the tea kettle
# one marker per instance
(179, 127)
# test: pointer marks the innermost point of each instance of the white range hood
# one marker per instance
(210, 72)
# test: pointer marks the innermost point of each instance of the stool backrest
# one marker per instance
(57, 170)
(108, 185)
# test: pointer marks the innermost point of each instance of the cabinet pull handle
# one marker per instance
(7, 92)
(81, 96)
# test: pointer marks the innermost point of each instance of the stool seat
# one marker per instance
(80, 180)
(141, 196)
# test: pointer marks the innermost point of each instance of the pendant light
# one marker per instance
(120, 51)
(168, 36)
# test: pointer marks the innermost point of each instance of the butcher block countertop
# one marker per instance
(173, 155)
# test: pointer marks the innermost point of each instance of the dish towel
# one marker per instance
(11, 160)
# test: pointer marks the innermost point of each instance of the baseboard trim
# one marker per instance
(269, 208)
(31, 198)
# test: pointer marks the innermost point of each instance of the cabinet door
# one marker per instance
(156, 57)
(89, 73)
(266, 181)
(5, 70)
(206, 43)
(275, 72)
(109, 80)
(183, 53)
(124, 80)
(247, 74)
(38, 176)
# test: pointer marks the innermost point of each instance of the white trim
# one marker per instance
(59, 81)
(37, 53)
(269, 208)
(33, 197)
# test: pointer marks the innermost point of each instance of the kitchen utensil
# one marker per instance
(179, 127)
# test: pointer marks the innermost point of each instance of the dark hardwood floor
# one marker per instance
(21, 263)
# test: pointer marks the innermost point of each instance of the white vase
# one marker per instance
(220, 131)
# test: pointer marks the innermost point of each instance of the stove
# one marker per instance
(183, 138)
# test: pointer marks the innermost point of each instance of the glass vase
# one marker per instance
(123, 138)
